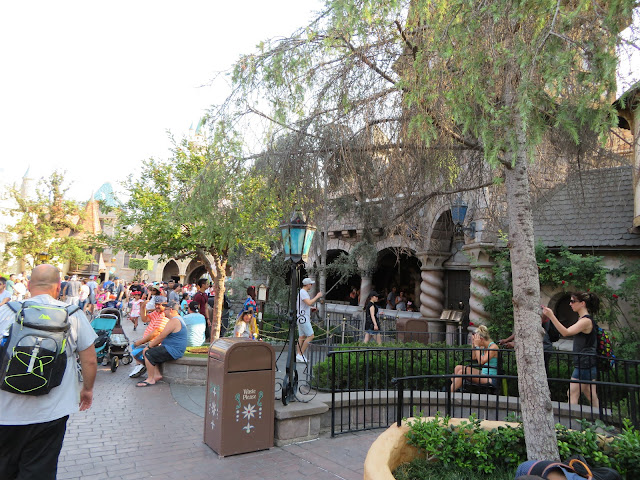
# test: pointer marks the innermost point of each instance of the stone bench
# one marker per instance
(186, 371)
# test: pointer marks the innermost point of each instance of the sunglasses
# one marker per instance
(574, 301)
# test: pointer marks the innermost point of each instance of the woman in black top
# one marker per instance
(584, 344)
(371, 325)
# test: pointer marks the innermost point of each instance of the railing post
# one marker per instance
(333, 392)
(399, 403)
(447, 368)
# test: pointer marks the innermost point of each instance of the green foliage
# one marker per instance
(422, 469)
(48, 223)
(275, 269)
(466, 446)
(203, 201)
(629, 289)
(372, 368)
(557, 270)
(237, 289)
(141, 264)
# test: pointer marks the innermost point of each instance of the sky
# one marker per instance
(92, 87)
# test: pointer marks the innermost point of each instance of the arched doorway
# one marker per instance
(196, 274)
(397, 270)
(339, 292)
(171, 272)
(563, 310)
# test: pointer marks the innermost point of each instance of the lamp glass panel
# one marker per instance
(307, 242)
(286, 241)
(458, 212)
(297, 240)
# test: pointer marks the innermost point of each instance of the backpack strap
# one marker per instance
(71, 309)
(15, 306)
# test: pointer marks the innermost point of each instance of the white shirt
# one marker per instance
(304, 310)
(84, 292)
(63, 400)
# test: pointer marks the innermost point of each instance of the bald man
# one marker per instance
(32, 428)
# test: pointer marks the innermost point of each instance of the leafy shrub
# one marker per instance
(466, 445)
(371, 367)
(141, 264)
(565, 270)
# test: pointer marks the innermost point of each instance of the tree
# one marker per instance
(465, 92)
(48, 223)
(204, 202)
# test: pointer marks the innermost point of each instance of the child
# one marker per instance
(184, 304)
(111, 302)
(242, 328)
(134, 315)
(101, 299)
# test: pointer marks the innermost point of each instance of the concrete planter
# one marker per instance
(390, 449)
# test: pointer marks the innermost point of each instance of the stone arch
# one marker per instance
(400, 269)
(440, 232)
(339, 292)
(559, 303)
(396, 242)
(171, 271)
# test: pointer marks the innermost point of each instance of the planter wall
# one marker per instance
(390, 449)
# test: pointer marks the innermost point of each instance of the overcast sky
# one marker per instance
(92, 87)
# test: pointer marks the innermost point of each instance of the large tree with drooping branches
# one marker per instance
(454, 94)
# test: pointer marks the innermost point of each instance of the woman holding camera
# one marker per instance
(585, 304)
(485, 353)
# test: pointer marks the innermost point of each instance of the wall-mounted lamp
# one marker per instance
(458, 212)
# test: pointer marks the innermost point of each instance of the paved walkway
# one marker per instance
(156, 432)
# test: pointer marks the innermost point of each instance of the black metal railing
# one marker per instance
(372, 388)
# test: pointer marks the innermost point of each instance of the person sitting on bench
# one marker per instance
(485, 353)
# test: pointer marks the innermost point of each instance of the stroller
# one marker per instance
(112, 345)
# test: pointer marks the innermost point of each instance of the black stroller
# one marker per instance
(112, 345)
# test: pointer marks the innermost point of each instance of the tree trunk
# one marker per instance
(535, 399)
(218, 281)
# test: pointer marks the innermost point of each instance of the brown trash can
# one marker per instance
(239, 410)
(412, 330)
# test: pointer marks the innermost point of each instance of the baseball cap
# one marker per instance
(307, 281)
(173, 305)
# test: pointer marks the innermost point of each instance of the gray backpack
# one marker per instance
(33, 356)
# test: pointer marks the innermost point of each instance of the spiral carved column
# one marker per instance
(432, 293)
(480, 273)
(432, 285)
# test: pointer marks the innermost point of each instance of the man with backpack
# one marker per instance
(33, 417)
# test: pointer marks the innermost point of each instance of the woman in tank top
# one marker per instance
(585, 339)
(485, 353)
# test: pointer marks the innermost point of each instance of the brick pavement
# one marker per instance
(135, 433)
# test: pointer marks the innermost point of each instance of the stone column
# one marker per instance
(432, 292)
(481, 272)
(432, 285)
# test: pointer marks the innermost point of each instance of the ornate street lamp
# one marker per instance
(297, 236)
(458, 212)
(43, 258)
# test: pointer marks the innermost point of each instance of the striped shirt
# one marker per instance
(157, 321)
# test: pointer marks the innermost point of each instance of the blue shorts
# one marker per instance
(372, 332)
(305, 329)
(585, 373)
(137, 353)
